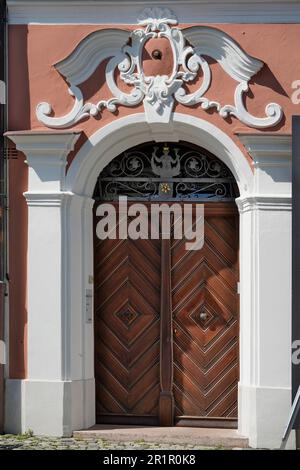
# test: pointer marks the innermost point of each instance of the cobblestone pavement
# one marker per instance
(26, 442)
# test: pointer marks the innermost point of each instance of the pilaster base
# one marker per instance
(263, 415)
(52, 408)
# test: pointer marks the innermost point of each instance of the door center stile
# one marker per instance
(166, 398)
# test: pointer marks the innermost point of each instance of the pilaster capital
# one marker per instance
(46, 155)
(270, 202)
(268, 150)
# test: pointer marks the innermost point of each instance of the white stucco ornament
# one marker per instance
(158, 93)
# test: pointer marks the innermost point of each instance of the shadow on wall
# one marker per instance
(266, 78)
(18, 119)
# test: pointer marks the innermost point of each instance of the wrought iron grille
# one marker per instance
(169, 172)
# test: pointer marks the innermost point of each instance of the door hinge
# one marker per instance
(2, 352)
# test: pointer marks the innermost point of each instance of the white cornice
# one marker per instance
(47, 147)
(124, 12)
(268, 149)
(46, 155)
(274, 202)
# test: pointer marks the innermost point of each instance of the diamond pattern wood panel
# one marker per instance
(127, 322)
(205, 324)
(205, 320)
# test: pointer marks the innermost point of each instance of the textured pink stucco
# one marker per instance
(34, 49)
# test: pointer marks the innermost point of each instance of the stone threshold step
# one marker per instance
(206, 437)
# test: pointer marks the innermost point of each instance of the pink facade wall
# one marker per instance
(34, 49)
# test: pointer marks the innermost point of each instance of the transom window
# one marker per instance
(166, 171)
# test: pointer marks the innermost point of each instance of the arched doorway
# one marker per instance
(60, 206)
(166, 318)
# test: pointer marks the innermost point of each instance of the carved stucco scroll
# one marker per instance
(158, 93)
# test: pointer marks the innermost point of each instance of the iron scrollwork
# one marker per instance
(169, 172)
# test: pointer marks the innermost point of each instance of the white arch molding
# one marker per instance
(132, 130)
(59, 394)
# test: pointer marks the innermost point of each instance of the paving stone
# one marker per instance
(23, 442)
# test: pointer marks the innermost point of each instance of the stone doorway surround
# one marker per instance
(58, 395)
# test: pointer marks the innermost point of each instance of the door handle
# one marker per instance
(203, 316)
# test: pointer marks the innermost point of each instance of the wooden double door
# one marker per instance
(166, 327)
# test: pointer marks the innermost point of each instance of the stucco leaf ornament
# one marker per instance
(158, 93)
(157, 19)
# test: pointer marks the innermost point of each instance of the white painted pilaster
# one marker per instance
(60, 382)
(265, 330)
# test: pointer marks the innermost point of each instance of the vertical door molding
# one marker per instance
(166, 399)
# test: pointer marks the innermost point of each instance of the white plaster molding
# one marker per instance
(272, 161)
(160, 92)
(131, 130)
(268, 150)
(121, 12)
(50, 148)
(221, 47)
(274, 202)
(46, 155)
(90, 52)
(48, 199)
